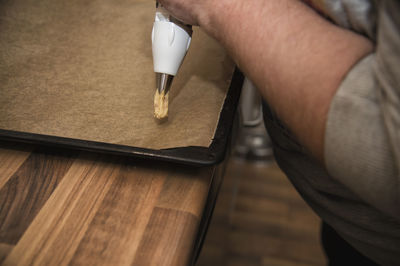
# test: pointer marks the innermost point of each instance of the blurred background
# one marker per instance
(259, 218)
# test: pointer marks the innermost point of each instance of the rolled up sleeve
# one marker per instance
(362, 139)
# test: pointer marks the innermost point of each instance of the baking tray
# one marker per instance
(192, 155)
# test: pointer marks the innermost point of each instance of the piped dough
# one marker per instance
(161, 105)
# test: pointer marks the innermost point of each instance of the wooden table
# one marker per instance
(61, 207)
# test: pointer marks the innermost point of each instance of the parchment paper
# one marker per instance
(83, 69)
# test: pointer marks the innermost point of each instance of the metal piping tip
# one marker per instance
(163, 82)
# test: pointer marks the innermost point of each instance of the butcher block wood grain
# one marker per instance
(60, 207)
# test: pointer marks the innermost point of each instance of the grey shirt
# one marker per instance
(357, 192)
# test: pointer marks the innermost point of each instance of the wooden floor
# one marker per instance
(260, 219)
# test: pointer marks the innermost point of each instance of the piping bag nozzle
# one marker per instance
(163, 83)
(170, 42)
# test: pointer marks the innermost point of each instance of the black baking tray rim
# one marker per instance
(192, 155)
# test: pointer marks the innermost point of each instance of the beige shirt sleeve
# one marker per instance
(362, 141)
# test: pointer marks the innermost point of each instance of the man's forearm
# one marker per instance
(295, 57)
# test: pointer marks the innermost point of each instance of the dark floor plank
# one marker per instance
(269, 224)
(284, 227)
(256, 245)
(235, 260)
(274, 261)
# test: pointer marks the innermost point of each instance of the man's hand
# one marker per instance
(296, 58)
(187, 11)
